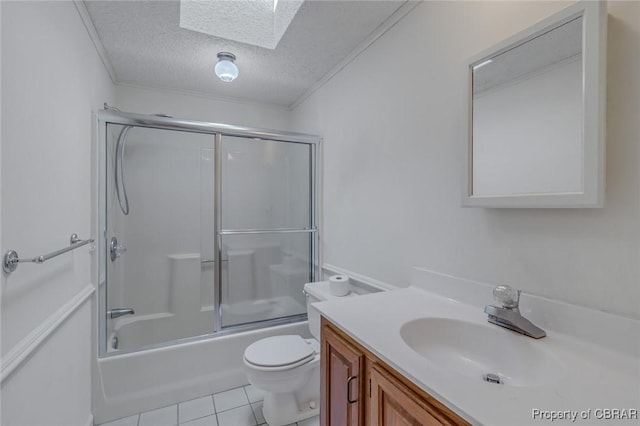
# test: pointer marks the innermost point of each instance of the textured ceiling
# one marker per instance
(146, 46)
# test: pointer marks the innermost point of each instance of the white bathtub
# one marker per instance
(138, 331)
(130, 383)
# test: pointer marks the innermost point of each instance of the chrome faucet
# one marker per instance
(118, 312)
(508, 315)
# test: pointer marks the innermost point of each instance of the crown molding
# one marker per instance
(81, 7)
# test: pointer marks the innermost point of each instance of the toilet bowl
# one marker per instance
(287, 368)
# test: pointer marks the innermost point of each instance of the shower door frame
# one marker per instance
(218, 131)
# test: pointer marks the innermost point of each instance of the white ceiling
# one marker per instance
(146, 46)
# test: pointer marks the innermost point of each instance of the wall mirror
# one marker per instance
(537, 115)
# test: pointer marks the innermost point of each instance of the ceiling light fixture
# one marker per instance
(225, 69)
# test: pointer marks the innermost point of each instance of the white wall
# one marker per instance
(52, 79)
(204, 108)
(393, 136)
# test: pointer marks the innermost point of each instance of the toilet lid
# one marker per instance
(278, 351)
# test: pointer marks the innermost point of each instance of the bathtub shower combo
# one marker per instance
(207, 235)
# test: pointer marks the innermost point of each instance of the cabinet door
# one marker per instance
(341, 381)
(393, 404)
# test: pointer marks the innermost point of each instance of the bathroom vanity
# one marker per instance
(427, 355)
(358, 388)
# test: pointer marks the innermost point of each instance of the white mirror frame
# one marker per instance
(594, 114)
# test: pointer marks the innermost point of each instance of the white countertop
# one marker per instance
(593, 377)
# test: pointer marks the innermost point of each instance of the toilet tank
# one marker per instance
(318, 292)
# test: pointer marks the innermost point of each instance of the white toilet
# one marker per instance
(287, 368)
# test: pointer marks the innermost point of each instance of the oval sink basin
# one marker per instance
(475, 350)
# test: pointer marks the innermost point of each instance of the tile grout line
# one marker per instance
(228, 409)
(215, 411)
(250, 406)
(199, 417)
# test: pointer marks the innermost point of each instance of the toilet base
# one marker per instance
(281, 409)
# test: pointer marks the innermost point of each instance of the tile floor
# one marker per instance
(236, 407)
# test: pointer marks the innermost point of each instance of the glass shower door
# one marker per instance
(266, 232)
(160, 209)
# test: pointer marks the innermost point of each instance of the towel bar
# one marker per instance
(11, 259)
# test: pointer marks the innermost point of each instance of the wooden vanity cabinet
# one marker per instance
(358, 389)
(342, 372)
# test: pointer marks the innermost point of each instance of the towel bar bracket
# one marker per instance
(10, 261)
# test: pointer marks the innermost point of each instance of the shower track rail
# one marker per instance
(170, 123)
(11, 259)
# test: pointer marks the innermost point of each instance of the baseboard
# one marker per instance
(30, 344)
(89, 421)
(354, 276)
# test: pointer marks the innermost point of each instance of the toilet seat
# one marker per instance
(279, 352)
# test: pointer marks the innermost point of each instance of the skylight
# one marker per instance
(258, 22)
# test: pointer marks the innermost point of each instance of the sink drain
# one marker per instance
(492, 378)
